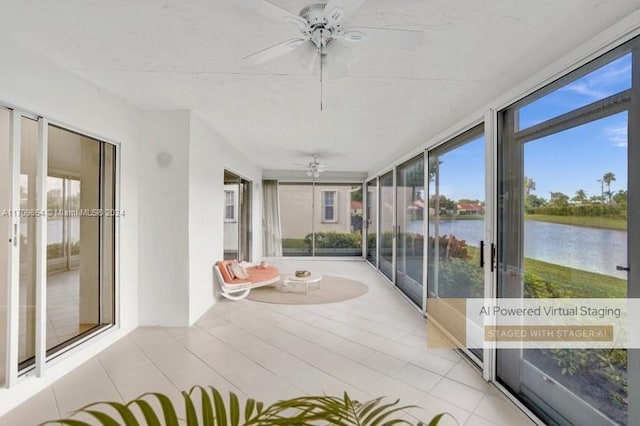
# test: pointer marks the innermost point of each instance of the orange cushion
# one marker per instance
(224, 271)
(257, 275)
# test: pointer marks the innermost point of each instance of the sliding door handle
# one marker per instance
(622, 268)
(482, 254)
(494, 265)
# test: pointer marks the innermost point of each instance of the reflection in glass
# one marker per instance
(372, 221)
(410, 201)
(574, 260)
(237, 217)
(562, 230)
(80, 236)
(456, 222)
(27, 268)
(231, 242)
(386, 238)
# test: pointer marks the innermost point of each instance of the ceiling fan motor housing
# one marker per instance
(321, 29)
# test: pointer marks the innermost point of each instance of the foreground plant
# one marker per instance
(206, 407)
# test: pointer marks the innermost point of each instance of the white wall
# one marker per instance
(30, 82)
(163, 219)
(209, 155)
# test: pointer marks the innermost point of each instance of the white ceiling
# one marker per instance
(186, 54)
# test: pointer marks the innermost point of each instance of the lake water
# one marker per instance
(589, 249)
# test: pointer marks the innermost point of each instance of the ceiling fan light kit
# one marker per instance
(314, 168)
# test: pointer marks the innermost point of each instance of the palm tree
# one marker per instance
(607, 179)
(581, 196)
(529, 185)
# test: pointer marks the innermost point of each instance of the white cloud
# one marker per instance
(585, 88)
(617, 135)
(602, 82)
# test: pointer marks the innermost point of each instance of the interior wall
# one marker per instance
(209, 155)
(35, 84)
(163, 218)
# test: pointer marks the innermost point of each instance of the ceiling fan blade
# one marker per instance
(268, 9)
(386, 37)
(273, 52)
(306, 55)
(348, 7)
(338, 56)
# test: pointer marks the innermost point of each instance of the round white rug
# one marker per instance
(331, 290)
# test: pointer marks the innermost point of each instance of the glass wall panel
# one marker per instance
(337, 222)
(386, 238)
(5, 235)
(608, 80)
(296, 218)
(372, 221)
(27, 288)
(80, 234)
(456, 223)
(563, 220)
(410, 202)
(57, 225)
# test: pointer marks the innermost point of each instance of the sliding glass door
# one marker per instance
(27, 245)
(57, 196)
(410, 204)
(80, 190)
(386, 237)
(5, 235)
(237, 217)
(372, 222)
(456, 225)
(565, 229)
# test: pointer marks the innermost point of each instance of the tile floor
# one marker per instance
(63, 312)
(370, 346)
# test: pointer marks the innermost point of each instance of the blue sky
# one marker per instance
(563, 162)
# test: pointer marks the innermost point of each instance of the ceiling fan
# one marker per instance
(322, 27)
(314, 167)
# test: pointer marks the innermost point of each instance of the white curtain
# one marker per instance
(272, 241)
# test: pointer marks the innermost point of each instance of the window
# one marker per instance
(329, 206)
(311, 224)
(563, 166)
(230, 206)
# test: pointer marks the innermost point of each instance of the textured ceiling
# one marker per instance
(186, 54)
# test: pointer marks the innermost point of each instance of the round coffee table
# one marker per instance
(291, 282)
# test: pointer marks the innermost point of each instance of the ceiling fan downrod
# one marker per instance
(321, 52)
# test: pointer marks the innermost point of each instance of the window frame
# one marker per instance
(233, 205)
(334, 206)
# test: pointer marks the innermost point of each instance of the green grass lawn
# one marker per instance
(295, 243)
(588, 221)
(580, 283)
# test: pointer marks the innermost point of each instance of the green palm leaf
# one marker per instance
(301, 411)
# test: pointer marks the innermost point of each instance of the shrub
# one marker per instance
(460, 278)
(335, 240)
(608, 363)
(449, 247)
(607, 210)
